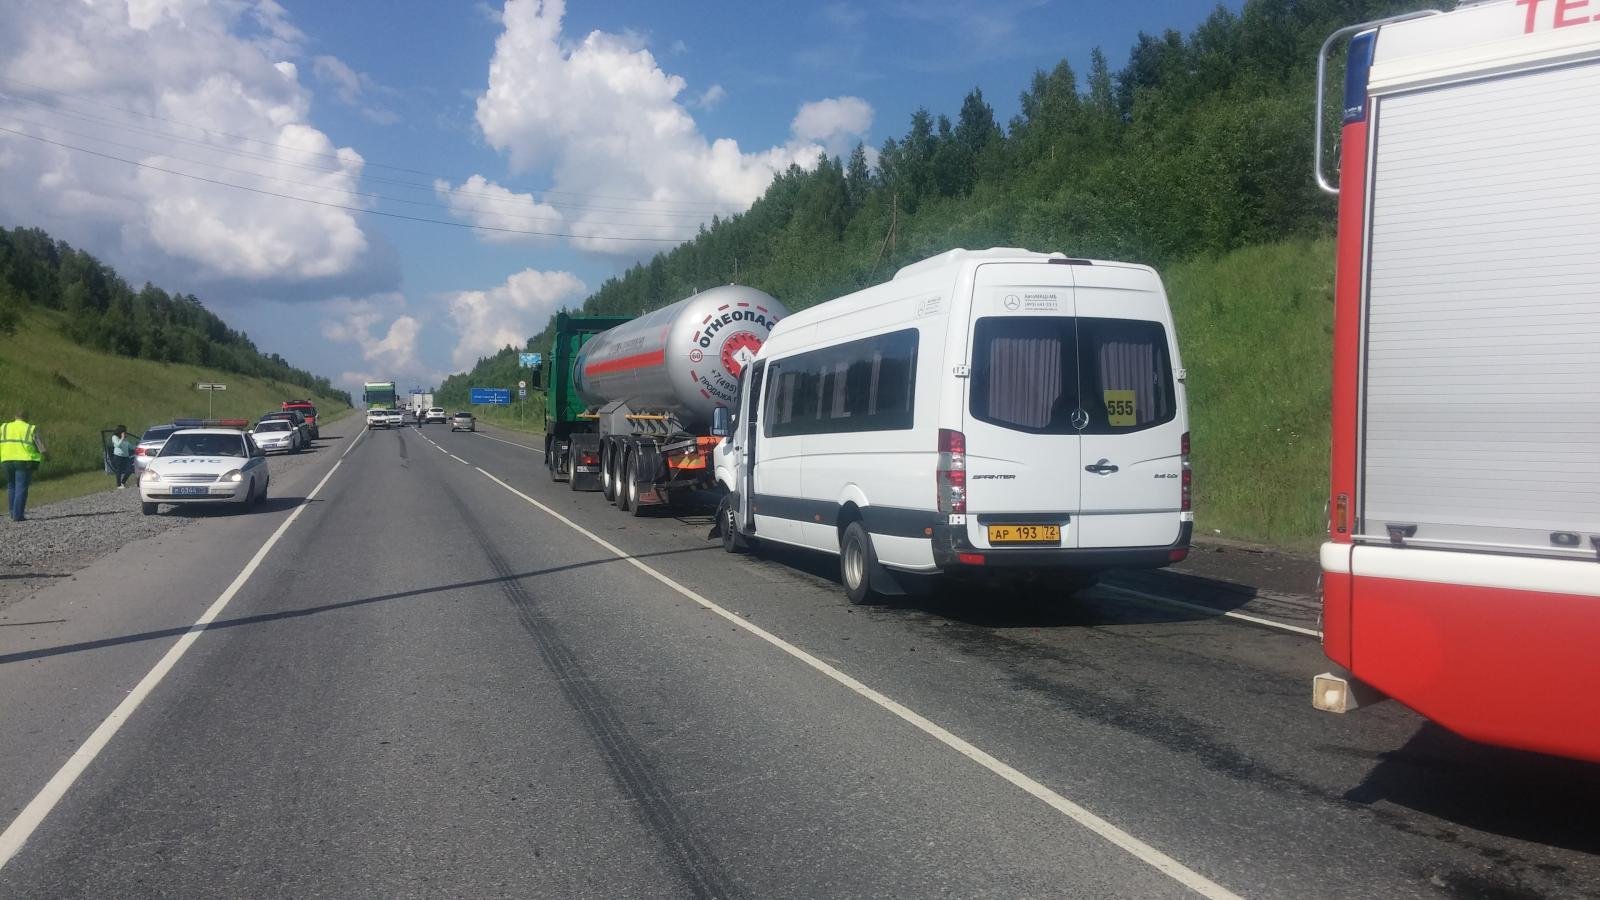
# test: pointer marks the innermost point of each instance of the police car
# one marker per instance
(206, 465)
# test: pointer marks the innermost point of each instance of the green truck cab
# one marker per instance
(565, 412)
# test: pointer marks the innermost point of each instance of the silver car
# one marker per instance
(278, 436)
(150, 444)
(464, 421)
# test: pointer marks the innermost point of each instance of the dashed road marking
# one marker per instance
(512, 443)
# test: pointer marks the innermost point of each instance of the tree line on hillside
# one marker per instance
(499, 370)
(1197, 146)
(103, 312)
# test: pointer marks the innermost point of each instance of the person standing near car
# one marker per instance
(21, 451)
(122, 456)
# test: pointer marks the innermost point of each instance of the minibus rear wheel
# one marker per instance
(856, 562)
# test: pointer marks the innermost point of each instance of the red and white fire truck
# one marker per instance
(1462, 573)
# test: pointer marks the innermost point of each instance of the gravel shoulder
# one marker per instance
(59, 539)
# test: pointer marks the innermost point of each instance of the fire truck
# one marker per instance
(1462, 572)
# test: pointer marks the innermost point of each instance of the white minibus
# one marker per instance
(984, 411)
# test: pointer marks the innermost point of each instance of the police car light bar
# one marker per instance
(211, 423)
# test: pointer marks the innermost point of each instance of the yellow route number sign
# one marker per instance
(1120, 409)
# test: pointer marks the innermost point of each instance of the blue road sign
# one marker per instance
(491, 396)
(530, 360)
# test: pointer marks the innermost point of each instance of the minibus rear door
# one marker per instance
(1022, 454)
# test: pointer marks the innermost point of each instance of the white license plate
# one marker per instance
(191, 490)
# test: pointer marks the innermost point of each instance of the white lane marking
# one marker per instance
(34, 814)
(512, 443)
(1147, 854)
(459, 460)
(1197, 607)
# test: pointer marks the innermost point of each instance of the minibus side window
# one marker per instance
(863, 385)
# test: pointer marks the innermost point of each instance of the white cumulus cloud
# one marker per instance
(218, 68)
(507, 314)
(385, 334)
(711, 97)
(490, 206)
(353, 89)
(836, 123)
(613, 131)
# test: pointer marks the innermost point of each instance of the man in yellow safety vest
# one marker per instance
(21, 450)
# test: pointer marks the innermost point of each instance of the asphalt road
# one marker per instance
(448, 676)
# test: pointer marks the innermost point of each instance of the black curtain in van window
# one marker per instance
(1031, 373)
(1024, 379)
(1024, 372)
(1127, 355)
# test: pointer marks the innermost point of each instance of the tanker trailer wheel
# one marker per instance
(608, 471)
(572, 469)
(631, 485)
(620, 466)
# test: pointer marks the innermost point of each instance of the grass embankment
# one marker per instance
(1256, 331)
(73, 392)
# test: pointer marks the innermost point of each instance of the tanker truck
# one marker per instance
(649, 388)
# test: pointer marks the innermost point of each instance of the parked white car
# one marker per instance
(436, 414)
(205, 465)
(278, 436)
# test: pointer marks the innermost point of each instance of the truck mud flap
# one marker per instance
(583, 462)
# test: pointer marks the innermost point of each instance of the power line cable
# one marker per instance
(333, 156)
(355, 209)
(248, 154)
(320, 187)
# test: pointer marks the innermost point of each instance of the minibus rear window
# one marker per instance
(1060, 375)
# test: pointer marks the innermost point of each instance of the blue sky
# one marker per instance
(643, 118)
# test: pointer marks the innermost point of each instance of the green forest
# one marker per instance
(1194, 156)
(101, 311)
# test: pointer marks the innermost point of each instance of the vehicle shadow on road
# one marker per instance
(1003, 605)
(205, 511)
(1044, 603)
(1526, 796)
(42, 652)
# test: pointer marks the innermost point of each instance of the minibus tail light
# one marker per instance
(1188, 476)
(951, 477)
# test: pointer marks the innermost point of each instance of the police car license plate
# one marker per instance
(191, 490)
(1024, 534)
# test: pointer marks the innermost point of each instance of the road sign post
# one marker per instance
(211, 391)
